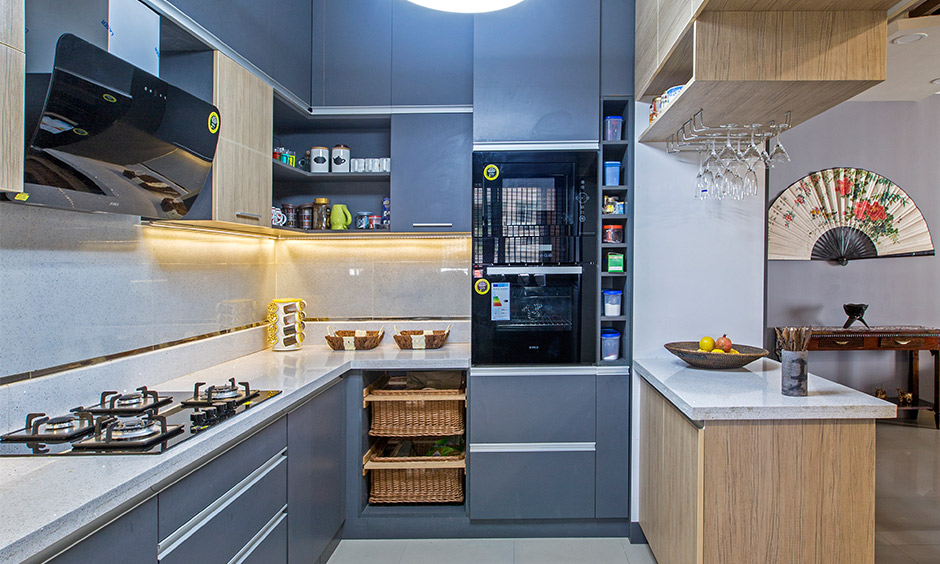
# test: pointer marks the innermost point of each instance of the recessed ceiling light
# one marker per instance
(909, 38)
(935, 81)
(466, 6)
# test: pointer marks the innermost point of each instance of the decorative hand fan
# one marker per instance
(844, 214)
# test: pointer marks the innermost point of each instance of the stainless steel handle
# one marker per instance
(842, 342)
(533, 447)
(526, 370)
(259, 537)
(248, 215)
(442, 225)
(513, 270)
(900, 342)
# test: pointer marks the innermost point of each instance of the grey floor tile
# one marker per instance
(921, 553)
(638, 553)
(886, 554)
(369, 551)
(570, 551)
(459, 551)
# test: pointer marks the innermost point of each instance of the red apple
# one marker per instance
(723, 343)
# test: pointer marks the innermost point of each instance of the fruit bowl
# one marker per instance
(689, 352)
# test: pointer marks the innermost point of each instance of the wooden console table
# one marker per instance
(911, 339)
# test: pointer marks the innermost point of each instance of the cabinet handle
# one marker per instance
(842, 342)
(900, 342)
(248, 215)
(432, 225)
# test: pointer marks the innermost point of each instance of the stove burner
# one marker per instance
(135, 428)
(218, 394)
(130, 399)
(221, 392)
(59, 423)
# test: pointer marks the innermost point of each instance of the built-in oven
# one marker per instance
(529, 257)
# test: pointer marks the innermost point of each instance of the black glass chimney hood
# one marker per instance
(110, 137)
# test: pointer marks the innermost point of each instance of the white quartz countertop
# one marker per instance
(753, 392)
(44, 500)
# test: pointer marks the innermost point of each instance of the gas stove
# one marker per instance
(141, 422)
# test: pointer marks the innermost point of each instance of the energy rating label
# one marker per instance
(499, 310)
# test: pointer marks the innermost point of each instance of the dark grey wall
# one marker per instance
(901, 141)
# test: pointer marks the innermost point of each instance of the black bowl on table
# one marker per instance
(689, 352)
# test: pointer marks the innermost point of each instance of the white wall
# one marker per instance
(698, 265)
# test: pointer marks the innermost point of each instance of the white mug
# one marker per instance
(339, 159)
(285, 331)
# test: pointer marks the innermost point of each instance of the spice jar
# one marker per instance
(613, 233)
(306, 217)
(321, 213)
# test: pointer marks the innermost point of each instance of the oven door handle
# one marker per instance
(517, 270)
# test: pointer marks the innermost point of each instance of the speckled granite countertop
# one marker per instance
(46, 499)
(753, 392)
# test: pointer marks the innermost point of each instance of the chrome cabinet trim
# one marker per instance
(526, 370)
(618, 370)
(259, 537)
(533, 447)
(576, 145)
(416, 225)
(512, 270)
(189, 528)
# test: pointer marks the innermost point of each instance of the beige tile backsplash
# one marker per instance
(79, 286)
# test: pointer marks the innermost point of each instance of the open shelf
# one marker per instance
(620, 143)
(613, 318)
(614, 216)
(283, 171)
(613, 245)
(613, 274)
(620, 188)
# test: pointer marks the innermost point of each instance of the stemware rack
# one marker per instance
(695, 135)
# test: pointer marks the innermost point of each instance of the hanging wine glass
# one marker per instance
(727, 154)
(779, 153)
(750, 181)
(753, 151)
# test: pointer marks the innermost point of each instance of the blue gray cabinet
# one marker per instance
(432, 56)
(316, 471)
(352, 58)
(617, 47)
(532, 444)
(536, 72)
(431, 172)
(133, 537)
(612, 473)
(274, 35)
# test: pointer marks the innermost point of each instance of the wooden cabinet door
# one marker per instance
(12, 83)
(536, 72)
(241, 173)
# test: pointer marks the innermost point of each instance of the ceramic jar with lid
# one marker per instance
(339, 159)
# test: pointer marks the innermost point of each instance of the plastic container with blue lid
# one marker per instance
(610, 344)
(613, 128)
(612, 302)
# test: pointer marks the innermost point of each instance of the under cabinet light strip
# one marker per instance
(537, 146)
(202, 518)
(533, 447)
(209, 230)
(259, 538)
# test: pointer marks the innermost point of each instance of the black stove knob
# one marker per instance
(198, 418)
(211, 414)
(230, 407)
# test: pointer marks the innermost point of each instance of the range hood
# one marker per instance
(106, 136)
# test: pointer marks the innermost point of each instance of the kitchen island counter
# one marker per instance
(753, 392)
(50, 502)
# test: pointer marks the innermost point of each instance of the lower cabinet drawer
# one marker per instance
(220, 531)
(531, 485)
(903, 343)
(531, 409)
(273, 548)
(841, 343)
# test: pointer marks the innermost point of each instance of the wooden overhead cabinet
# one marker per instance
(241, 172)
(12, 83)
(753, 61)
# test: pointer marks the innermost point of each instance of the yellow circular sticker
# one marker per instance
(213, 122)
(109, 98)
(482, 286)
(491, 172)
(79, 131)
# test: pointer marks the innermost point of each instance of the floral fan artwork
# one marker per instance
(843, 214)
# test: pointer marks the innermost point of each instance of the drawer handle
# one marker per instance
(416, 225)
(259, 537)
(842, 342)
(900, 342)
(248, 215)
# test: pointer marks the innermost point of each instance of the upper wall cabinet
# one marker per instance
(273, 35)
(535, 72)
(241, 172)
(752, 61)
(432, 56)
(352, 56)
(12, 80)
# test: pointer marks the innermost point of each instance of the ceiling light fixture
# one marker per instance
(466, 6)
(909, 38)
(935, 81)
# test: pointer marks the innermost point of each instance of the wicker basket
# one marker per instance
(415, 413)
(418, 340)
(354, 340)
(415, 484)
